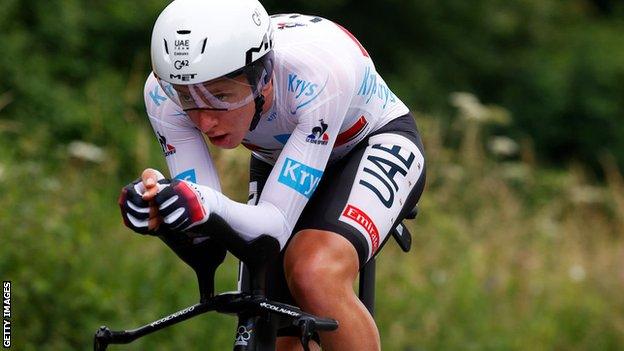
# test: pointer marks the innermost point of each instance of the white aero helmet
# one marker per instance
(197, 45)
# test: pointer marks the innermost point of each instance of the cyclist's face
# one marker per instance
(225, 129)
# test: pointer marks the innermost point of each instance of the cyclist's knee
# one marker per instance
(317, 259)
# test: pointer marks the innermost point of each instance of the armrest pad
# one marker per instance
(256, 252)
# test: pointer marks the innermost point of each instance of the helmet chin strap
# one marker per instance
(256, 118)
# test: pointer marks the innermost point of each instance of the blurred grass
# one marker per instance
(506, 255)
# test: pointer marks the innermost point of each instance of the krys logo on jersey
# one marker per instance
(303, 90)
(373, 85)
(188, 175)
(302, 178)
(168, 149)
(157, 99)
(318, 135)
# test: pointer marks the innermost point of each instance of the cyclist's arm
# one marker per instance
(185, 150)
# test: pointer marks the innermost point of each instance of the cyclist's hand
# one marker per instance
(138, 210)
(181, 205)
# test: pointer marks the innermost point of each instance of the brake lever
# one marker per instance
(307, 331)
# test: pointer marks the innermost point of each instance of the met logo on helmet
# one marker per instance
(183, 77)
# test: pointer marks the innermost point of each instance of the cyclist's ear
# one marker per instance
(267, 87)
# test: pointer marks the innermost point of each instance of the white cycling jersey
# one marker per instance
(327, 97)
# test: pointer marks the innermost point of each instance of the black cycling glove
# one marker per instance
(134, 210)
(180, 204)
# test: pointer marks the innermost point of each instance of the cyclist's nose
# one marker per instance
(204, 120)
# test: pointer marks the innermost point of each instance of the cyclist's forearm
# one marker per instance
(249, 221)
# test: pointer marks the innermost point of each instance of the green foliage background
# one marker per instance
(519, 251)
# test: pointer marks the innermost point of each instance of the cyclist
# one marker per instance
(336, 159)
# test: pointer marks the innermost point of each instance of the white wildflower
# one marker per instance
(86, 151)
(469, 106)
(503, 146)
(577, 273)
(587, 194)
(471, 109)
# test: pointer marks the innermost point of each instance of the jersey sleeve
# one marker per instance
(301, 164)
(183, 145)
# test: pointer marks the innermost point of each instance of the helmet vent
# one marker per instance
(204, 45)
(184, 32)
(166, 48)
